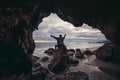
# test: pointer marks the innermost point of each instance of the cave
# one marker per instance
(84, 37)
(19, 18)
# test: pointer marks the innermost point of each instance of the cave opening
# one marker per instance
(84, 37)
(19, 21)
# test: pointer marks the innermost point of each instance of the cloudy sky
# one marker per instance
(53, 25)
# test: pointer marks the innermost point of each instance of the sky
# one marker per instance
(53, 25)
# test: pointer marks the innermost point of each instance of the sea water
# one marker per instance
(82, 44)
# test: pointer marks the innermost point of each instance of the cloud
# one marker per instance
(55, 26)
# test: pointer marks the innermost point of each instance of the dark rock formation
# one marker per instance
(50, 51)
(73, 61)
(109, 52)
(96, 13)
(79, 54)
(44, 59)
(34, 59)
(70, 52)
(19, 18)
(59, 63)
(69, 76)
(88, 52)
(38, 72)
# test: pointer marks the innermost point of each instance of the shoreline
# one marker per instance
(95, 68)
(41, 47)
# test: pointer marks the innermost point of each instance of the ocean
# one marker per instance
(81, 43)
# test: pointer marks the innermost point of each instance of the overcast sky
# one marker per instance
(53, 25)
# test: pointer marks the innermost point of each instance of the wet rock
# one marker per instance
(46, 51)
(50, 51)
(73, 61)
(59, 63)
(44, 59)
(19, 18)
(13, 60)
(109, 52)
(36, 65)
(38, 72)
(59, 67)
(69, 76)
(79, 54)
(88, 52)
(70, 52)
(17, 77)
(34, 58)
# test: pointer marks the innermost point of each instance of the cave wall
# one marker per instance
(19, 18)
(100, 14)
(17, 23)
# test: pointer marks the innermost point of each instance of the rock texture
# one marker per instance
(19, 18)
(96, 13)
(69, 76)
(59, 63)
(109, 52)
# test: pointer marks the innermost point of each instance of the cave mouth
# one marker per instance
(83, 37)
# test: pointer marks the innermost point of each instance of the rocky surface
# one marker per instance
(79, 54)
(71, 52)
(50, 51)
(69, 76)
(38, 72)
(19, 18)
(59, 63)
(109, 52)
(88, 52)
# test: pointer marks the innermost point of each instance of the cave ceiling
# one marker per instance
(101, 14)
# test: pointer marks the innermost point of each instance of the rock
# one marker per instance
(36, 65)
(73, 61)
(59, 67)
(88, 52)
(18, 77)
(50, 51)
(70, 52)
(59, 63)
(44, 59)
(19, 18)
(46, 51)
(34, 58)
(109, 52)
(69, 76)
(79, 54)
(38, 72)
(13, 60)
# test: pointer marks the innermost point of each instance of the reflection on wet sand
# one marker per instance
(97, 69)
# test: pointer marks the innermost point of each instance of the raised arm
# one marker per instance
(53, 36)
(64, 36)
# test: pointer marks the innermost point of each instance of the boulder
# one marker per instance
(44, 59)
(109, 52)
(38, 72)
(88, 52)
(50, 51)
(69, 76)
(70, 52)
(59, 63)
(79, 54)
(34, 58)
(73, 61)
